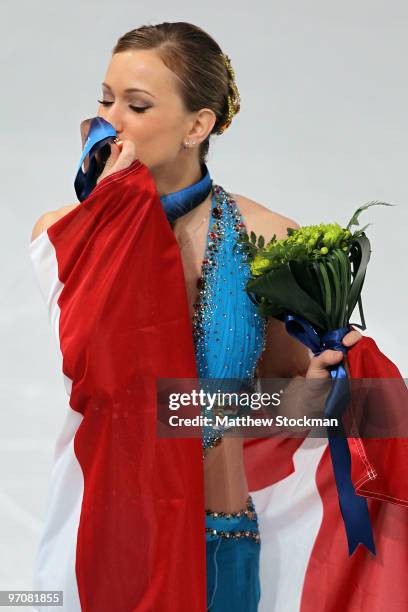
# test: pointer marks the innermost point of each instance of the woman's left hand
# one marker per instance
(319, 364)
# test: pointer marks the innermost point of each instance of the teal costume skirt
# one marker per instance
(232, 551)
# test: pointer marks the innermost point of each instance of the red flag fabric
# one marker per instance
(305, 565)
(124, 527)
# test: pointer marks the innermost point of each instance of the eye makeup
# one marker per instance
(137, 109)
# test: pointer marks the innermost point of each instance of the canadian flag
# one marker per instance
(305, 563)
(124, 528)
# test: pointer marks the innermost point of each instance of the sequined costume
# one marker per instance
(229, 337)
(232, 547)
(229, 334)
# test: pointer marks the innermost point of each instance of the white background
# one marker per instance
(322, 129)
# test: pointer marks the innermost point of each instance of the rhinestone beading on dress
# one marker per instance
(248, 511)
(246, 518)
(234, 535)
(228, 332)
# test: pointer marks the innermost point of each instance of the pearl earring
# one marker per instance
(187, 143)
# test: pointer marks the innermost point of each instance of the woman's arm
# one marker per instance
(41, 224)
(48, 219)
(283, 356)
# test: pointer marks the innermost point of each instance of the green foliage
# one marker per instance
(317, 271)
(354, 218)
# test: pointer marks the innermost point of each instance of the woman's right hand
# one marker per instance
(318, 367)
(123, 154)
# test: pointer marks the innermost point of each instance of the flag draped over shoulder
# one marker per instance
(303, 536)
(123, 322)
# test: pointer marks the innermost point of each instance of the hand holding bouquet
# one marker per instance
(312, 280)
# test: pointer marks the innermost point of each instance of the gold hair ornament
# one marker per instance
(234, 99)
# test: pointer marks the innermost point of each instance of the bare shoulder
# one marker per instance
(261, 220)
(49, 218)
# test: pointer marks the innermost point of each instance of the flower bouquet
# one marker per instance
(317, 271)
(312, 280)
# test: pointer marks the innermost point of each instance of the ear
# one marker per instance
(203, 123)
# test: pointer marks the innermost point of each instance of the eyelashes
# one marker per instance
(136, 109)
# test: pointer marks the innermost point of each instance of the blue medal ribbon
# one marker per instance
(100, 133)
(175, 204)
(353, 507)
(180, 202)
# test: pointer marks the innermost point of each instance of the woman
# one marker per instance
(167, 89)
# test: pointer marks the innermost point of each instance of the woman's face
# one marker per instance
(143, 105)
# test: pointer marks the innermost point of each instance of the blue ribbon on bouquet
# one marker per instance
(353, 507)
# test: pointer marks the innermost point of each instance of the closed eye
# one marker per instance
(137, 109)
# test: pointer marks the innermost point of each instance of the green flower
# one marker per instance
(307, 243)
(259, 265)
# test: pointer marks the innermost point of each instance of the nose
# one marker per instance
(113, 115)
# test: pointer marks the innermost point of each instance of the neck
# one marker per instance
(176, 176)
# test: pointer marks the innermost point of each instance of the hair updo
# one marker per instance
(196, 58)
